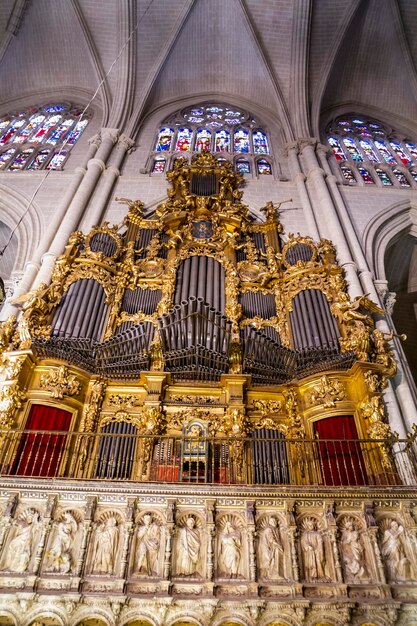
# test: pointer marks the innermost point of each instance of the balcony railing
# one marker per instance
(224, 461)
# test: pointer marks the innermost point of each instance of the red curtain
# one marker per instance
(340, 458)
(39, 454)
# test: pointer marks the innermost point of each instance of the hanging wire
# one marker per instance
(80, 117)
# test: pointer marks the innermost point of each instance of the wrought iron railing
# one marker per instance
(225, 461)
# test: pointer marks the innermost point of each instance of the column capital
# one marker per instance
(110, 133)
(322, 148)
(306, 142)
(95, 140)
(291, 146)
(126, 144)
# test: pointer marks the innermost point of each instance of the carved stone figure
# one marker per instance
(230, 550)
(105, 548)
(59, 556)
(188, 548)
(393, 550)
(352, 553)
(271, 551)
(147, 547)
(20, 548)
(312, 548)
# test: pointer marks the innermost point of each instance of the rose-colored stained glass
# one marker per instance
(400, 153)
(40, 135)
(366, 176)
(184, 140)
(11, 131)
(203, 140)
(30, 128)
(159, 164)
(337, 150)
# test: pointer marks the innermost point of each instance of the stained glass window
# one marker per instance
(184, 140)
(57, 161)
(368, 150)
(371, 140)
(222, 141)
(260, 143)
(242, 166)
(366, 176)
(21, 159)
(348, 174)
(383, 177)
(241, 141)
(263, 167)
(400, 153)
(164, 139)
(159, 163)
(214, 127)
(414, 174)
(54, 124)
(352, 149)
(386, 154)
(5, 157)
(337, 150)
(401, 178)
(39, 160)
(203, 141)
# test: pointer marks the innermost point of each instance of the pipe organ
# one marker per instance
(201, 344)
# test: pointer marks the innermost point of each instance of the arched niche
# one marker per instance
(400, 261)
(139, 622)
(45, 621)
(7, 620)
(93, 621)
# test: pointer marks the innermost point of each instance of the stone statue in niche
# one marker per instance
(271, 550)
(394, 552)
(147, 546)
(312, 549)
(352, 552)
(188, 547)
(230, 550)
(59, 557)
(20, 549)
(106, 543)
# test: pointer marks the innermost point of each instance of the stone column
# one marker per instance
(299, 178)
(329, 224)
(402, 408)
(43, 258)
(94, 215)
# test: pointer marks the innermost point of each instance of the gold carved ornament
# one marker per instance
(356, 326)
(60, 383)
(268, 410)
(327, 392)
(11, 399)
(373, 410)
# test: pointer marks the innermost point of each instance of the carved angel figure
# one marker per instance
(352, 553)
(188, 548)
(312, 548)
(6, 332)
(271, 551)
(105, 548)
(394, 553)
(230, 550)
(59, 556)
(147, 547)
(20, 548)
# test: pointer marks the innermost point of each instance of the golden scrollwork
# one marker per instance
(11, 399)
(60, 382)
(375, 381)
(12, 366)
(7, 329)
(327, 392)
(268, 413)
(92, 408)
